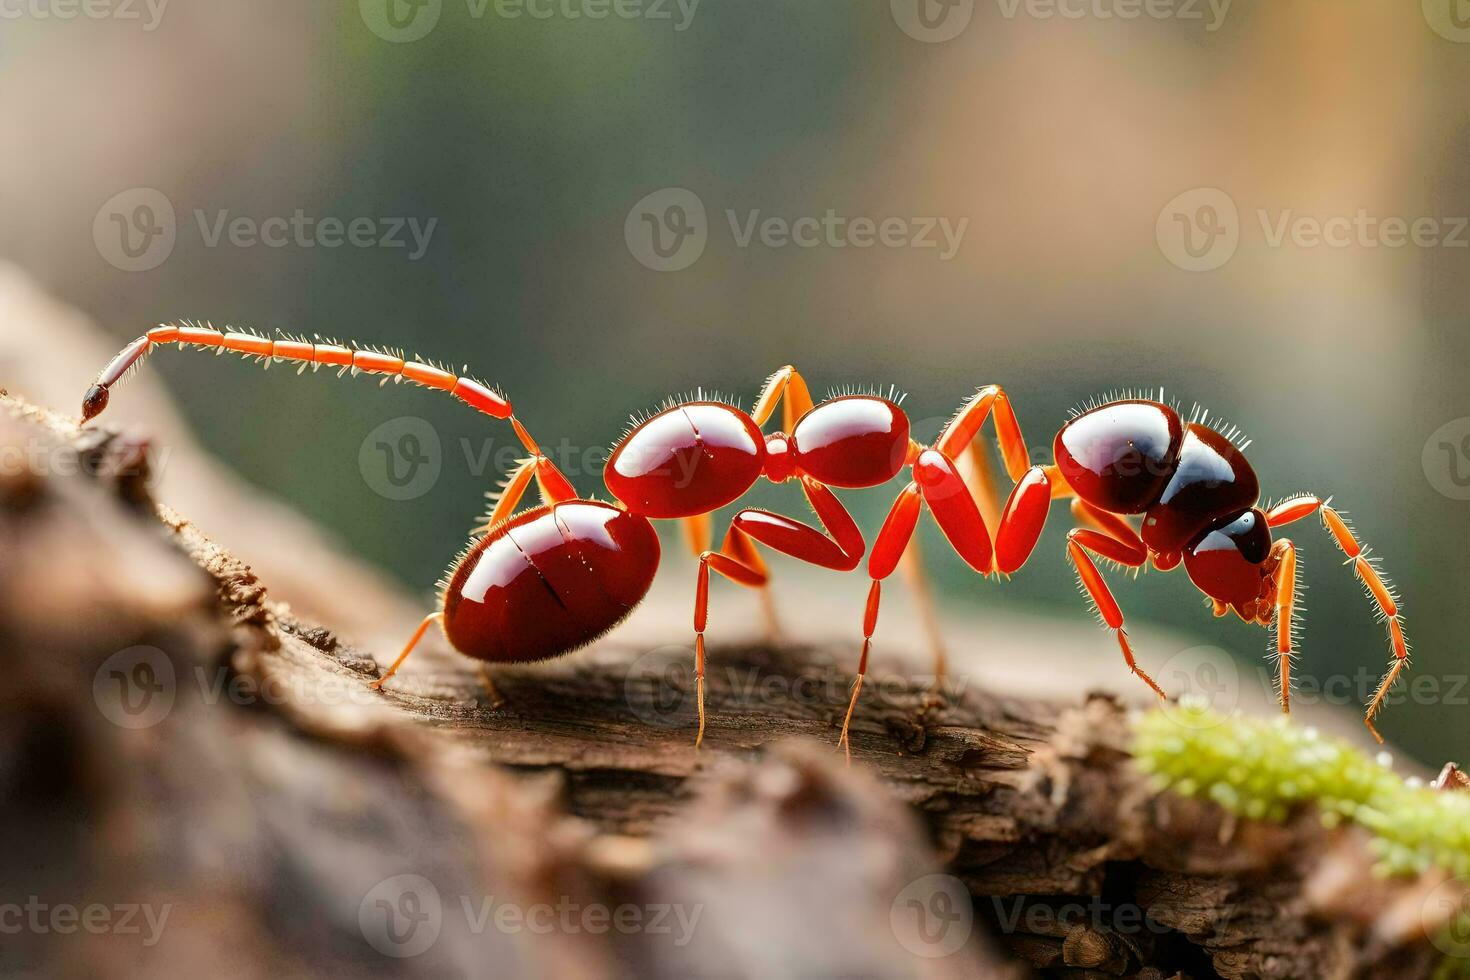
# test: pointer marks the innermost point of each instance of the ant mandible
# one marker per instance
(541, 583)
(1191, 484)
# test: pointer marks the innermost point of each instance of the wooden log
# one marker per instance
(176, 743)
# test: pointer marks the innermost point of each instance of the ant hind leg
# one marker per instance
(413, 641)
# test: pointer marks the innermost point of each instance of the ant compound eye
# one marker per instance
(1225, 563)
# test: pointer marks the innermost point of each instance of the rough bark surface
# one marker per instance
(174, 740)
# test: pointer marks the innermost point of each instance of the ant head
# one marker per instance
(1226, 563)
(851, 441)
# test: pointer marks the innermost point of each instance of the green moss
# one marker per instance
(1268, 769)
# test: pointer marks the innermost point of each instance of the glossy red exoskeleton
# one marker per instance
(540, 583)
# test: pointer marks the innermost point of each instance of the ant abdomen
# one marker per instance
(550, 580)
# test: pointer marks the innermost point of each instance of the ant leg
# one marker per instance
(888, 548)
(413, 641)
(1081, 540)
(697, 533)
(912, 563)
(738, 560)
(736, 571)
(786, 381)
(739, 545)
(963, 429)
(1113, 525)
(959, 518)
(1285, 553)
(981, 481)
(697, 536)
(938, 484)
(552, 485)
(1379, 591)
(496, 698)
(842, 551)
(1019, 523)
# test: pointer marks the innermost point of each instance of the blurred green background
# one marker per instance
(1061, 140)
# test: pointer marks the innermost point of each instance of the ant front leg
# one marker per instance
(1296, 508)
(552, 484)
(1285, 554)
(739, 561)
(1130, 553)
(554, 489)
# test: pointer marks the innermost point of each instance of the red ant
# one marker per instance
(1192, 485)
(553, 578)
